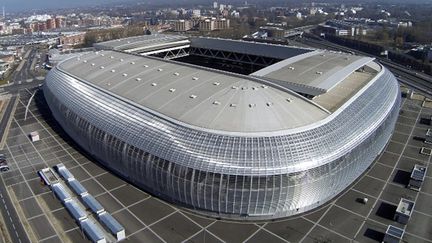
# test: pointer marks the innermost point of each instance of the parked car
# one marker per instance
(4, 168)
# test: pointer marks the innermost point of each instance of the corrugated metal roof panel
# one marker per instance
(200, 111)
(64, 172)
(60, 192)
(77, 187)
(110, 222)
(395, 231)
(75, 210)
(93, 204)
(418, 173)
(248, 48)
(93, 231)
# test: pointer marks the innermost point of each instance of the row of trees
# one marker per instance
(421, 34)
(94, 36)
(375, 49)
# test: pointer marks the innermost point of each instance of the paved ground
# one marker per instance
(11, 220)
(148, 219)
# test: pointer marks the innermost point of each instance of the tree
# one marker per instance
(383, 35)
(90, 38)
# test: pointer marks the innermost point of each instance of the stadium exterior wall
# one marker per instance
(240, 177)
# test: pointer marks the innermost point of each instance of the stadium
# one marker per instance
(232, 129)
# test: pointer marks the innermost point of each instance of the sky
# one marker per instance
(23, 5)
(19, 5)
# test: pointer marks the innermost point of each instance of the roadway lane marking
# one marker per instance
(8, 213)
(37, 151)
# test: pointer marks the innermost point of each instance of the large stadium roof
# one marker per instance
(194, 95)
(315, 72)
(138, 42)
(251, 48)
(141, 43)
(265, 101)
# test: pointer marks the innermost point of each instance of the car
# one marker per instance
(4, 168)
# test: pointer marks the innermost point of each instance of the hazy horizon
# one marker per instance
(26, 5)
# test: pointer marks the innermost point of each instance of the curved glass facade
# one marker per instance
(246, 177)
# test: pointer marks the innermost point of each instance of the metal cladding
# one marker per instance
(93, 231)
(232, 175)
(60, 192)
(77, 187)
(92, 203)
(112, 225)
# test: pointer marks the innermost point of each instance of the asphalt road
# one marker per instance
(25, 73)
(8, 113)
(12, 222)
(21, 79)
(25, 78)
(15, 88)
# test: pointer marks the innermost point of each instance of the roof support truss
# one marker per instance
(233, 56)
(172, 54)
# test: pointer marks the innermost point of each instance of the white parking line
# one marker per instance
(417, 236)
(83, 168)
(388, 181)
(22, 174)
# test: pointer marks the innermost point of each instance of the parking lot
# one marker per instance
(148, 219)
(14, 40)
